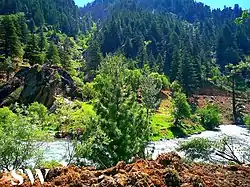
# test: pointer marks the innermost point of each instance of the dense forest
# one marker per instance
(116, 74)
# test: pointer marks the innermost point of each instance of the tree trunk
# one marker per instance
(234, 101)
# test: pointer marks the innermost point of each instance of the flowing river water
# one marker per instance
(58, 149)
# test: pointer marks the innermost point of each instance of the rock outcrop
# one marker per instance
(37, 83)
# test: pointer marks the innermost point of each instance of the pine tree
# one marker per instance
(175, 64)
(42, 40)
(13, 46)
(24, 30)
(94, 56)
(52, 55)
(66, 53)
(121, 120)
(227, 50)
(32, 51)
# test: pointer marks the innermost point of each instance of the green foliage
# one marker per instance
(175, 87)
(71, 116)
(94, 56)
(182, 108)
(17, 139)
(53, 54)
(8, 66)
(162, 79)
(210, 116)
(88, 92)
(32, 51)
(247, 121)
(48, 164)
(229, 149)
(243, 18)
(197, 148)
(121, 129)
(150, 88)
(38, 114)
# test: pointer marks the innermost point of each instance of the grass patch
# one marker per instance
(163, 121)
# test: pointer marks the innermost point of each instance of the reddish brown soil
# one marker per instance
(167, 170)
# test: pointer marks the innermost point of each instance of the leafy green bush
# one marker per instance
(163, 80)
(17, 137)
(49, 164)
(71, 116)
(38, 114)
(198, 148)
(182, 108)
(247, 121)
(210, 116)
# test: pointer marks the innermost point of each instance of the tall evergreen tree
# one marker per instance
(32, 51)
(121, 120)
(13, 46)
(94, 56)
(52, 55)
(42, 40)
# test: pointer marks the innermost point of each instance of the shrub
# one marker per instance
(198, 148)
(210, 116)
(182, 109)
(163, 80)
(17, 137)
(247, 121)
(49, 164)
(38, 114)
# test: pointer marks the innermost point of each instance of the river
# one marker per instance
(58, 149)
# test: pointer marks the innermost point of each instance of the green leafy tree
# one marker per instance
(66, 52)
(243, 18)
(38, 114)
(228, 149)
(247, 121)
(150, 88)
(182, 109)
(210, 116)
(17, 138)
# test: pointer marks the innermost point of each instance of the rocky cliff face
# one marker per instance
(37, 83)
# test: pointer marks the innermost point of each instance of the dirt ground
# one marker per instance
(167, 171)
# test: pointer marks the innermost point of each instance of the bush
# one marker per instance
(49, 164)
(198, 148)
(163, 80)
(210, 116)
(182, 109)
(247, 121)
(17, 137)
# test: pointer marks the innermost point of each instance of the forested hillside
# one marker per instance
(180, 36)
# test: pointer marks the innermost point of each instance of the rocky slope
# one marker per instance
(37, 83)
(167, 170)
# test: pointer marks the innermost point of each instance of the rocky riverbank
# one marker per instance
(166, 170)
